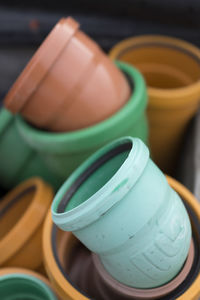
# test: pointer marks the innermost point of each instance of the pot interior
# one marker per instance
(19, 287)
(163, 66)
(95, 176)
(11, 211)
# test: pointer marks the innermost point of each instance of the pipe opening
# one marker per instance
(94, 177)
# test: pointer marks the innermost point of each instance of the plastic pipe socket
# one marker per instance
(22, 213)
(68, 264)
(69, 83)
(22, 284)
(171, 68)
(63, 152)
(141, 243)
(18, 161)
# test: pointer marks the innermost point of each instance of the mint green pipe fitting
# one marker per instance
(64, 152)
(18, 161)
(24, 287)
(119, 205)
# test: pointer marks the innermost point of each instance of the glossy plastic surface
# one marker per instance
(22, 213)
(18, 161)
(21, 284)
(171, 68)
(69, 83)
(124, 210)
(58, 258)
(63, 152)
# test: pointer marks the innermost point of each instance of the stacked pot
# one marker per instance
(70, 100)
(121, 230)
(133, 226)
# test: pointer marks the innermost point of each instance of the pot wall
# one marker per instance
(63, 266)
(18, 161)
(64, 152)
(171, 68)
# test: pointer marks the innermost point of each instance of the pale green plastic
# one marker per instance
(127, 213)
(19, 286)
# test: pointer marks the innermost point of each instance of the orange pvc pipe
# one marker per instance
(60, 282)
(22, 213)
(171, 68)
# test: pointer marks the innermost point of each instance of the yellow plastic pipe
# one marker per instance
(22, 214)
(171, 68)
(55, 264)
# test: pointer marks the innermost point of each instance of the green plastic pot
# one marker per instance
(120, 206)
(63, 152)
(20, 285)
(18, 161)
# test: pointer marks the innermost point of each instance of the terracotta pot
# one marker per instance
(69, 263)
(17, 283)
(18, 161)
(63, 152)
(171, 68)
(69, 83)
(22, 213)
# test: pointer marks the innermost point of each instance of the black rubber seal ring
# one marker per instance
(89, 171)
(181, 288)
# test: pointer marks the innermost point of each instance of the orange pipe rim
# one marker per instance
(141, 41)
(25, 227)
(68, 292)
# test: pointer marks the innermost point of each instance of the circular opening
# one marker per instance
(23, 287)
(70, 265)
(11, 211)
(164, 66)
(94, 177)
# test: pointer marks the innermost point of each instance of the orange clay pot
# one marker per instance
(69, 83)
(171, 68)
(22, 213)
(57, 247)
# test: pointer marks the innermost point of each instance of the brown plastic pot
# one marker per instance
(109, 288)
(171, 68)
(72, 273)
(69, 83)
(22, 214)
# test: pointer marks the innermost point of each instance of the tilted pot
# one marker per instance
(171, 68)
(69, 84)
(141, 243)
(69, 263)
(22, 214)
(63, 152)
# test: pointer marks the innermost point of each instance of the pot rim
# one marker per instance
(110, 193)
(150, 293)
(22, 89)
(63, 287)
(78, 140)
(9, 273)
(24, 228)
(63, 284)
(178, 44)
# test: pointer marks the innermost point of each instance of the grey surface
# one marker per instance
(189, 166)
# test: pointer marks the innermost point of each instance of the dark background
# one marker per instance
(24, 24)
